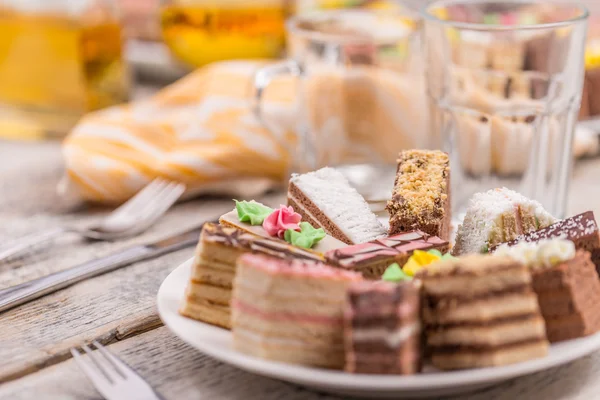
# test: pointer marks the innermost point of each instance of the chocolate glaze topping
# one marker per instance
(574, 228)
(389, 247)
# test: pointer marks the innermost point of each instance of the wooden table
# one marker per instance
(119, 308)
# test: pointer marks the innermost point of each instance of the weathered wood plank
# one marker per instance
(179, 372)
(111, 306)
(176, 370)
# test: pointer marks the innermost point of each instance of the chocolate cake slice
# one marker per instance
(580, 229)
(480, 311)
(421, 195)
(566, 284)
(382, 328)
(372, 258)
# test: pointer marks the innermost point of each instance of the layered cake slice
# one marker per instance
(580, 229)
(325, 199)
(290, 311)
(208, 292)
(382, 328)
(566, 283)
(372, 258)
(498, 216)
(421, 195)
(480, 311)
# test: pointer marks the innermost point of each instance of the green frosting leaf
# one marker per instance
(435, 252)
(251, 211)
(448, 256)
(394, 273)
(485, 248)
(306, 238)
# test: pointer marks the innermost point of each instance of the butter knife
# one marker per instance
(27, 291)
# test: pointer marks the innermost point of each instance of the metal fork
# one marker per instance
(114, 379)
(133, 217)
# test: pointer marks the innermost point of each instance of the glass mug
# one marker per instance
(59, 59)
(360, 95)
(504, 84)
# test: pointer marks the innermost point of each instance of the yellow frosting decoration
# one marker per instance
(418, 261)
(592, 54)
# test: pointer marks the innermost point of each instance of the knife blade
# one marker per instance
(27, 291)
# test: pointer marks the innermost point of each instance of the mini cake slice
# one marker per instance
(290, 311)
(326, 200)
(371, 259)
(498, 216)
(421, 195)
(480, 311)
(580, 229)
(382, 328)
(208, 293)
(566, 283)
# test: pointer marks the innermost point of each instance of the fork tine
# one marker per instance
(124, 369)
(98, 363)
(170, 196)
(142, 197)
(91, 372)
(161, 203)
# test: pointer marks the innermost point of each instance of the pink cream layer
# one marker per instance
(284, 317)
(301, 268)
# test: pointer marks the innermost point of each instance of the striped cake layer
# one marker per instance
(382, 328)
(322, 332)
(291, 351)
(207, 311)
(290, 310)
(491, 334)
(481, 358)
(473, 276)
(480, 311)
(209, 291)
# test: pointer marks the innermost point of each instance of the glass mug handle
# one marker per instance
(262, 78)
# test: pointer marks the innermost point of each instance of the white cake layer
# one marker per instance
(331, 192)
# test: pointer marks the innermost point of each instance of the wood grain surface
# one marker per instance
(120, 306)
(179, 372)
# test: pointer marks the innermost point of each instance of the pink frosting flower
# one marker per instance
(281, 220)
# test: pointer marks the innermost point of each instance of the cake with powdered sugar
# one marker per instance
(326, 200)
(497, 216)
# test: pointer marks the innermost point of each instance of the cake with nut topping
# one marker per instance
(421, 196)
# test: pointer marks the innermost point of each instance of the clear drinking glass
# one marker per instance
(360, 96)
(504, 85)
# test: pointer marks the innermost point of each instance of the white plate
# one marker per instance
(216, 342)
